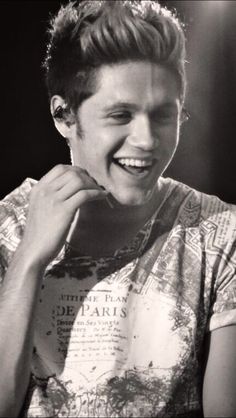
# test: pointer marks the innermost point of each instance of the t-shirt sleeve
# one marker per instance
(223, 307)
(10, 233)
(13, 211)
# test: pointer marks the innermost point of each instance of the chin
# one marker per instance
(132, 199)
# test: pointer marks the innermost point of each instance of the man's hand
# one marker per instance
(53, 204)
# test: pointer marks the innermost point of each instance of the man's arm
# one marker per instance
(219, 388)
(18, 302)
(53, 204)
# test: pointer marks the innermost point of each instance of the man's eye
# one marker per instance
(121, 117)
(165, 117)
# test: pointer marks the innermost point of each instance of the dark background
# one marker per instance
(30, 145)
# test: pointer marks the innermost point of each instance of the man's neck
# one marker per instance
(99, 229)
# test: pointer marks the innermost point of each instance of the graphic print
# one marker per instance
(122, 336)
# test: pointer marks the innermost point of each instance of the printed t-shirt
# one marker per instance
(122, 336)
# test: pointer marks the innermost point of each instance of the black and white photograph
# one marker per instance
(118, 209)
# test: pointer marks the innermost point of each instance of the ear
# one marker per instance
(63, 116)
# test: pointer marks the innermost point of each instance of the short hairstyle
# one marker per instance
(86, 35)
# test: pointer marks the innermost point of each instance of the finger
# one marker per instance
(73, 178)
(72, 182)
(54, 173)
(73, 187)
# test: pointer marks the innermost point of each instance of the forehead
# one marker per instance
(143, 83)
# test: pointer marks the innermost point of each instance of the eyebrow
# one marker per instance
(133, 106)
(117, 105)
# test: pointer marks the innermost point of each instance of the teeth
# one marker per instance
(134, 162)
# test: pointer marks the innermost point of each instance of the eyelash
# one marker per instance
(124, 117)
(121, 116)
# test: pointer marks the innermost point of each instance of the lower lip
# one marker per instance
(137, 174)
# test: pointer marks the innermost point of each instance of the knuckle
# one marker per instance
(42, 191)
(35, 191)
(75, 178)
(60, 168)
(79, 170)
(73, 175)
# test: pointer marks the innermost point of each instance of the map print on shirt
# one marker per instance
(122, 336)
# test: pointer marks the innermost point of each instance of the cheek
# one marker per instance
(91, 157)
(168, 149)
(173, 139)
(169, 144)
(81, 153)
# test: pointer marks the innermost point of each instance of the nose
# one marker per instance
(142, 134)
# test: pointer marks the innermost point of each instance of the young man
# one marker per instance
(118, 285)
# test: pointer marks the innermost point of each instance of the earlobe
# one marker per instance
(62, 116)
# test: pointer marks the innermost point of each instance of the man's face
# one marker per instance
(130, 129)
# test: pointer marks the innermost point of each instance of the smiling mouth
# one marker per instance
(134, 166)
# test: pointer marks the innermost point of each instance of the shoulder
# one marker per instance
(20, 196)
(200, 210)
(13, 212)
(15, 204)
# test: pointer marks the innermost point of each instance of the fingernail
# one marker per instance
(104, 190)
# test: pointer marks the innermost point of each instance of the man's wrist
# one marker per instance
(28, 261)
